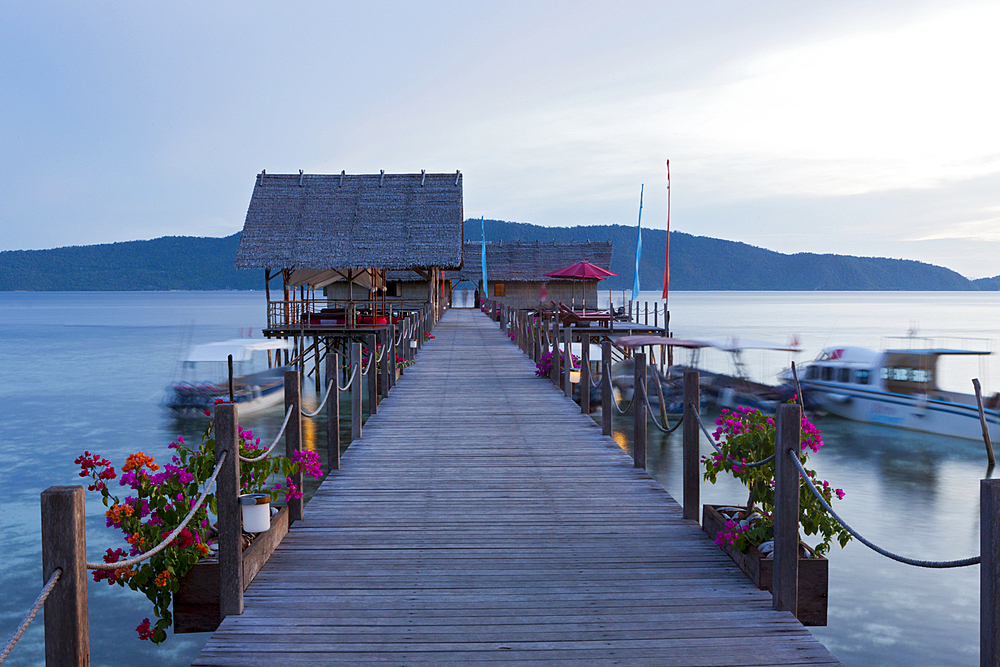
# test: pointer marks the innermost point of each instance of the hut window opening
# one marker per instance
(499, 289)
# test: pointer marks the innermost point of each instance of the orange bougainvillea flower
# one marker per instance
(138, 460)
(162, 579)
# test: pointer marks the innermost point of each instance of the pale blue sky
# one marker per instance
(858, 127)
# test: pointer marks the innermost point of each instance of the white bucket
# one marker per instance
(256, 512)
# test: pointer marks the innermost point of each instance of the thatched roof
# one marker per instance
(528, 261)
(353, 221)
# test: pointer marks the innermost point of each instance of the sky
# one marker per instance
(857, 127)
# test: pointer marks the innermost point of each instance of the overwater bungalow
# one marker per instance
(515, 271)
(332, 238)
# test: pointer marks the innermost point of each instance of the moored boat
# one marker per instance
(895, 387)
(205, 377)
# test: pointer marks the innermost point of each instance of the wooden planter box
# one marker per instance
(196, 603)
(814, 572)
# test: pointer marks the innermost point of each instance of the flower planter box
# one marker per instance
(196, 603)
(814, 572)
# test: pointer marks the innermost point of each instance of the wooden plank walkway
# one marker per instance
(483, 519)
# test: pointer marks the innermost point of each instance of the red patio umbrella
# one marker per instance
(583, 270)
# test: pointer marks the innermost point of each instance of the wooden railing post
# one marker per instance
(64, 546)
(691, 459)
(536, 339)
(391, 355)
(585, 373)
(607, 395)
(293, 438)
(229, 526)
(383, 368)
(372, 377)
(554, 372)
(356, 392)
(639, 411)
(989, 572)
(567, 361)
(786, 509)
(333, 412)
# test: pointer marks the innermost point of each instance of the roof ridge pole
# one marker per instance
(300, 178)
(458, 175)
(342, 174)
(423, 175)
(381, 177)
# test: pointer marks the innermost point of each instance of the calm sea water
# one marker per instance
(88, 371)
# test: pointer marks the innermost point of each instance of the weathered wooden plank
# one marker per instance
(482, 519)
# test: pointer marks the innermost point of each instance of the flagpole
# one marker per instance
(666, 260)
(482, 223)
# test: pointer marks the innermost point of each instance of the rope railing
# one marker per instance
(121, 565)
(329, 388)
(350, 381)
(614, 401)
(711, 441)
(368, 364)
(649, 411)
(288, 415)
(381, 354)
(30, 616)
(974, 560)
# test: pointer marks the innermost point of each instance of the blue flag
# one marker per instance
(483, 225)
(638, 249)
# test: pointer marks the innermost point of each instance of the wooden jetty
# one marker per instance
(483, 519)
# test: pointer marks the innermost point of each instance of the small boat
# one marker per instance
(895, 387)
(205, 377)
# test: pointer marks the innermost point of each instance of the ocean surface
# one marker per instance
(88, 371)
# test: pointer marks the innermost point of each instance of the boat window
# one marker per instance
(861, 377)
(921, 375)
(843, 375)
(812, 373)
(827, 373)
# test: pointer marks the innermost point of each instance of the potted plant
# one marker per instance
(157, 498)
(746, 436)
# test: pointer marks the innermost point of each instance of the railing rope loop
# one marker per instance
(649, 411)
(30, 616)
(121, 565)
(329, 388)
(888, 554)
(350, 381)
(288, 415)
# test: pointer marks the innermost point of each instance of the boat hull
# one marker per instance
(915, 413)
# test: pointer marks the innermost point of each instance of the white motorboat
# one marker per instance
(895, 387)
(205, 376)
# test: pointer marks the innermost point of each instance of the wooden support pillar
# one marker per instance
(568, 361)
(607, 396)
(372, 376)
(585, 373)
(639, 412)
(690, 458)
(64, 547)
(229, 525)
(391, 353)
(333, 412)
(537, 348)
(554, 371)
(356, 392)
(383, 385)
(293, 438)
(786, 509)
(989, 572)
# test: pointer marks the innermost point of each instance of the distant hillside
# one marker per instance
(171, 262)
(702, 263)
(696, 263)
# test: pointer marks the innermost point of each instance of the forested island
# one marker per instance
(696, 263)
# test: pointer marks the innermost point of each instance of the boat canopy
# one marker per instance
(242, 349)
(938, 351)
(642, 340)
(737, 343)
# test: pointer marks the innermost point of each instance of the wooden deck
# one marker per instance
(483, 519)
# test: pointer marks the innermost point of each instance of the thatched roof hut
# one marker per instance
(528, 261)
(353, 221)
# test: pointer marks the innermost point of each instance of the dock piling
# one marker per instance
(64, 546)
(639, 411)
(786, 509)
(691, 463)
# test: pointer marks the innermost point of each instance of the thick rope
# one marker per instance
(381, 354)
(629, 407)
(975, 560)
(121, 565)
(711, 441)
(39, 601)
(288, 415)
(368, 365)
(351, 381)
(329, 388)
(649, 411)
